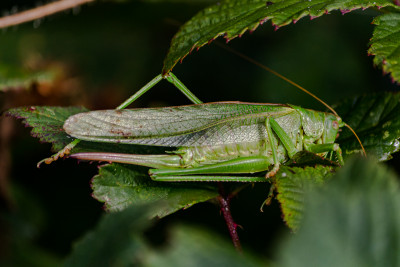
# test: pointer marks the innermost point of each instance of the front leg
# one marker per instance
(272, 124)
(321, 148)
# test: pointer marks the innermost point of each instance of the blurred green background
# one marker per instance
(99, 54)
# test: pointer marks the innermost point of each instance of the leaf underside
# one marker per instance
(376, 118)
(232, 18)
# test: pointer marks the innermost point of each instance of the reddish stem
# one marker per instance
(224, 202)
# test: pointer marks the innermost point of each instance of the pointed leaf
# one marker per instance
(47, 122)
(120, 186)
(385, 44)
(354, 220)
(232, 18)
(292, 185)
(376, 120)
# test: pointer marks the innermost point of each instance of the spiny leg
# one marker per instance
(283, 137)
(178, 84)
(209, 178)
(321, 148)
(291, 149)
(269, 198)
(275, 169)
(234, 166)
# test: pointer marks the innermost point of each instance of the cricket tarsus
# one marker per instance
(212, 138)
(60, 154)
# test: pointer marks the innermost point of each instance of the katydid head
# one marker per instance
(332, 126)
(333, 123)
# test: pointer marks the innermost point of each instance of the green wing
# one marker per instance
(192, 125)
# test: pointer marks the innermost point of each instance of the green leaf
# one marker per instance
(47, 122)
(191, 246)
(354, 220)
(385, 44)
(292, 184)
(116, 240)
(120, 185)
(232, 18)
(376, 120)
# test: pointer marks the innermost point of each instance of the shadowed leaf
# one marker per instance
(116, 240)
(191, 246)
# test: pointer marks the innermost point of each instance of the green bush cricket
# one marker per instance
(218, 141)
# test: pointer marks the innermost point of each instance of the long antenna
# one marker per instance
(275, 73)
(291, 82)
(358, 139)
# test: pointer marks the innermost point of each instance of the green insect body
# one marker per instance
(212, 138)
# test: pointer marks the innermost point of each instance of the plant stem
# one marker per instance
(224, 202)
(40, 12)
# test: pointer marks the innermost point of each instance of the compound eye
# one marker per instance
(335, 125)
